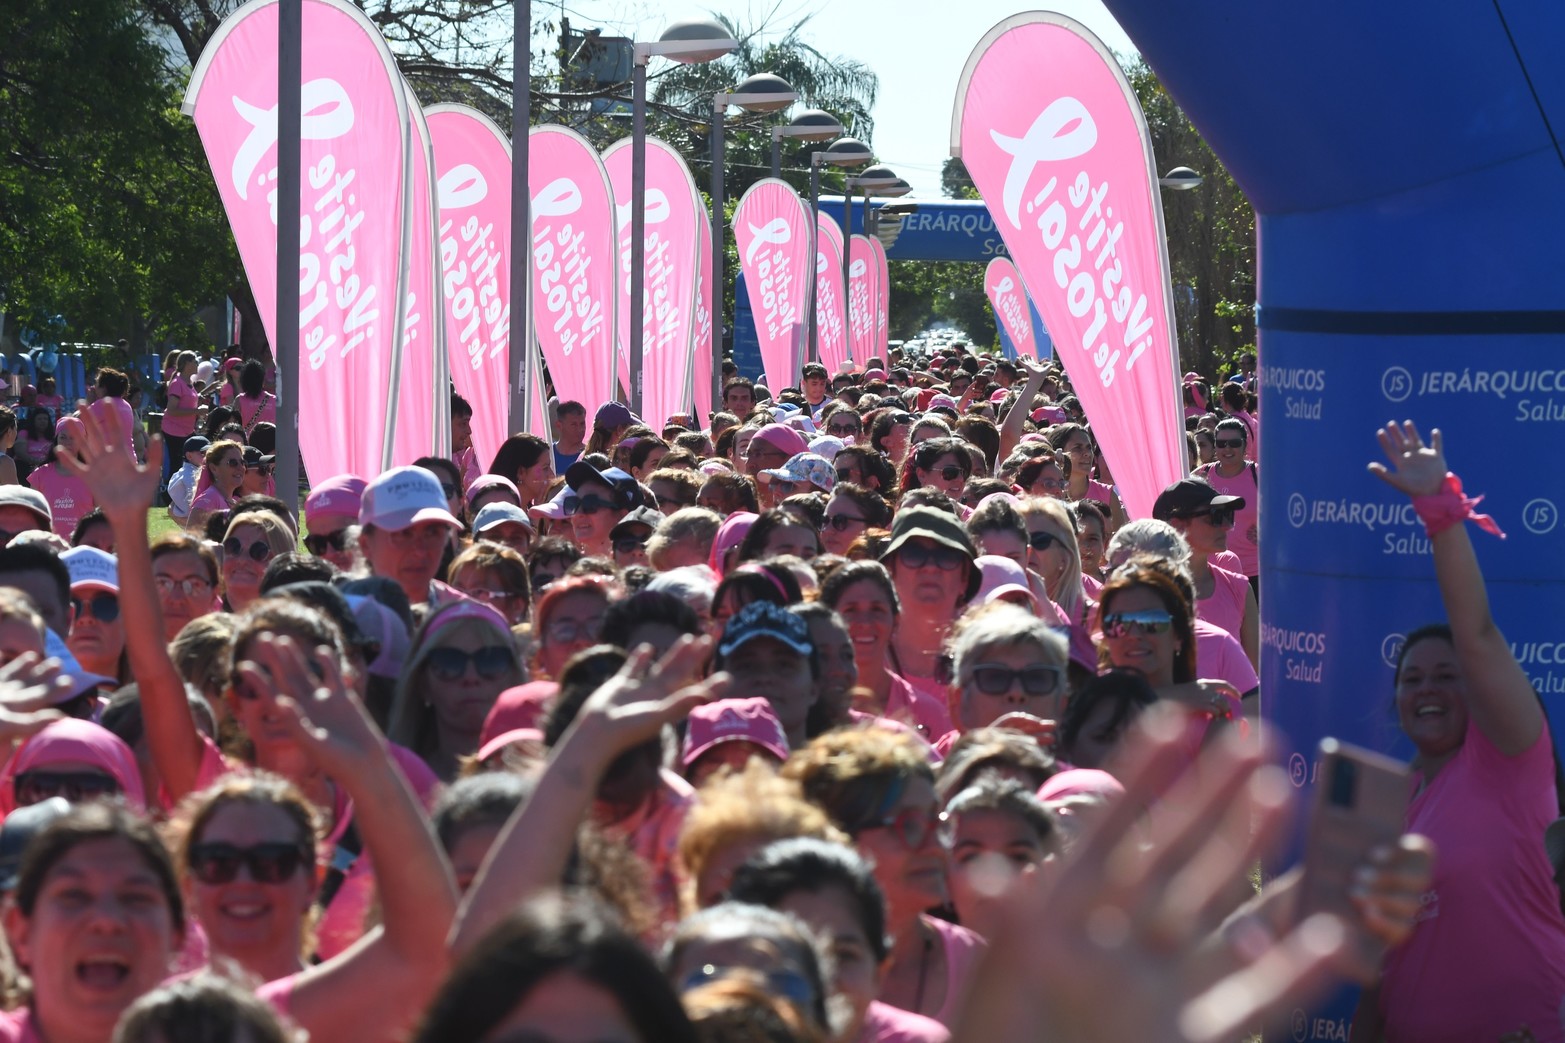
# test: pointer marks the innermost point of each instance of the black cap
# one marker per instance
(21, 826)
(619, 482)
(1189, 497)
(254, 458)
(813, 369)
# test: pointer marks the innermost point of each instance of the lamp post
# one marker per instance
(809, 125)
(872, 216)
(873, 179)
(1181, 179)
(762, 92)
(521, 334)
(688, 43)
(844, 152)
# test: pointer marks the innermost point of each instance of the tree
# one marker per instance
(108, 218)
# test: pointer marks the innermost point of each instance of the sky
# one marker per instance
(916, 47)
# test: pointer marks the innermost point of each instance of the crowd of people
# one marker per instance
(859, 712)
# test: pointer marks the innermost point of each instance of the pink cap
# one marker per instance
(729, 535)
(749, 720)
(783, 437)
(79, 741)
(492, 481)
(229, 364)
(531, 736)
(333, 500)
(1076, 782)
(998, 395)
(942, 400)
(517, 708)
(464, 608)
(1003, 579)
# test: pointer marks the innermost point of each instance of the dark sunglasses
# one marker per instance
(784, 488)
(950, 473)
(318, 545)
(843, 522)
(33, 787)
(271, 863)
(1218, 516)
(1043, 540)
(260, 550)
(586, 505)
(449, 490)
(845, 429)
(264, 470)
(1148, 621)
(947, 559)
(993, 679)
(1229, 443)
(911, 826)
(847, 474)
(629, 544)
(449, 664)
(105, 608)
(903, 418)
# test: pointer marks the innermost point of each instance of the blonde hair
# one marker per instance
(1071, 597)
(687, 523)
(278, 536)
(857, 775)
(752, 806)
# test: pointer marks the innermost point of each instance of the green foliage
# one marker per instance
(107, 215)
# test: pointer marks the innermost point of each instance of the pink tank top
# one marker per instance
(1244, 539)
(1225, 607)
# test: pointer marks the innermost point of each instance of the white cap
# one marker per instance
(403, 497)
(91, 567)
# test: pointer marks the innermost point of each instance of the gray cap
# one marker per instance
(32, 499)
(21, 826)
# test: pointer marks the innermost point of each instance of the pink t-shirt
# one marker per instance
(181, 396)
(652, 832)
(252, 412)
(1096, 490)
(49, 401)
(1219, 655)
(211, 500)
(884, 1023)
(1225, 607)
(69, 500)
(920, 702)
(1244, 539)
(1487, 955)
(963, 950)
(16, 1026)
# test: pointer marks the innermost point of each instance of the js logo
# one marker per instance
(1540, 516)
(1298, 771)
(1301, 1026)
(1391, 648)
(1298, 510)
(1396, 384)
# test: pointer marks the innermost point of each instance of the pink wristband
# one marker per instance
(1441, 510)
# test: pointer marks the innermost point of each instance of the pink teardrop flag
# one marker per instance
(772, 233)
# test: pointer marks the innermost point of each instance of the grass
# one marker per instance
(159, 522)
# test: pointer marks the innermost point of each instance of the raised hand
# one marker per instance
(103, 461)
(1419, 469)
(1045, 733)
(635, 703)
(314, 701)
(30, 687)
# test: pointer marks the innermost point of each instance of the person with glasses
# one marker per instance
(939, 463)
(450, 477)
(69, 758)
(258, 479)
(331, 510)
(1205, 517)
(1005, 660)
(218, 486)
(259, 861)
(674, 488)
(1053, 557)
(771, 447)
(878, 786)
(495, 575)
(97, 635)
(851, 509)
(598, 501)
(629, 537)
(250, 542)
(405, 525)
(801, 473)
(845, 424)
(862, 465)
(185, 574)
(1236, 474)
(889, 434)
(567, 619)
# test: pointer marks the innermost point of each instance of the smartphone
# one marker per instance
(1360, 803)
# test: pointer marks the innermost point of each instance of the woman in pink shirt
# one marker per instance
(1234, 475)
(221, 476)
(69, 498)
(1486, 959)
(930, 558)
(863, 594)
(254, 404)
(37, 438)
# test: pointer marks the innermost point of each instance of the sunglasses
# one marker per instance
(782, 981)
(271, 863)
(449, 664)
(105, 608)
(538, 580)
(588, 505)
(629, 544)
(565, 631)
(847, 474)
(845, 429)
(843, 522)
(672, 504)
(994, 679)
(950, 473)
(450, 491)
(947, 559)
(903, 418)
(192, 587)
(264, 470)
(1041, 541)
(260, 550)
(784, 488)
(1229, 443)
(318, 545)
(1221, 517)
(911, 826)
(33, 787)
(1148, 621)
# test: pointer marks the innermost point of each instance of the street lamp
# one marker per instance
(1181, 179)
(809, 125)
(844, 152)
(689, 43)
(762, 92)
(871, 215)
